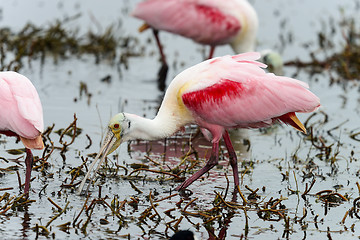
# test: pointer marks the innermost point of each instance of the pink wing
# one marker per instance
(20, 106)
(241, 94)
(199, 20)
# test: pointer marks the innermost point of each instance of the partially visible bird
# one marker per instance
(273, 60)
(209, 22)
(184, 235)
(218, 94)
(21, 115)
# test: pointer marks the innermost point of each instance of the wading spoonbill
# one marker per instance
(218, 94)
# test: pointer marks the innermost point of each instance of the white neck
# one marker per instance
(245, 41)
(171, 117)
(162, 126)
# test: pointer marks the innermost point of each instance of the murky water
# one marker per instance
(270, 162)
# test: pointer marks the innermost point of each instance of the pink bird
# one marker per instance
(209, 22)
(218, 94)
(21, 115)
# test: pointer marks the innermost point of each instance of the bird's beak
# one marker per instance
(107, 147)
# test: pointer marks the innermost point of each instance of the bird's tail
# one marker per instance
(36, 143)
(291, 119)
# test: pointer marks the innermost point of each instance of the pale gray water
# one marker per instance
(271, 153)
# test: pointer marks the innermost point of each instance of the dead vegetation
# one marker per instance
(60, 43)
(341, 61)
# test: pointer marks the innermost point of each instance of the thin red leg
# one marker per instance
(212, 50)
(163, 58)
(164, 68)
(213, 161)
(28, 160)
(28, 164)
(232, 157)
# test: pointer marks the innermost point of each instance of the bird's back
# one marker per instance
(20, 106)
(205, 21)
(234, 91)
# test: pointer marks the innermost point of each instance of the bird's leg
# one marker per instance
(232, 157)
(164, 68)
(156, 34)
(28, 164)
(213, 161)
(212, 50)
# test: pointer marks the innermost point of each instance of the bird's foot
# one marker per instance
(162, 77)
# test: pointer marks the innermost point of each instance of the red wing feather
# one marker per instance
(247, 104)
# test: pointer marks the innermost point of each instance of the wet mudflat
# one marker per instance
(88, 62)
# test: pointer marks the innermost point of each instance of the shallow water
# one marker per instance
(271, 165)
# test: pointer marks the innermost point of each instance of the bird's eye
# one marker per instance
(116, 126)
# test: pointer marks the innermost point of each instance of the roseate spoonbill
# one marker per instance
(209, 22)
(21, 115)
(218, 94)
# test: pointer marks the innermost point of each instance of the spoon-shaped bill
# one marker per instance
(107, 145)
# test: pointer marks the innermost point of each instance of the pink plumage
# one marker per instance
(207, 22)
(234, 92)
(21, 114)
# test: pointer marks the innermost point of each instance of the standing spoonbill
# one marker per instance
(208, 22)
(218, 94)
(21, 115)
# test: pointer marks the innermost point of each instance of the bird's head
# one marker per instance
(117, 129)
(116, 133)
(273, 60)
